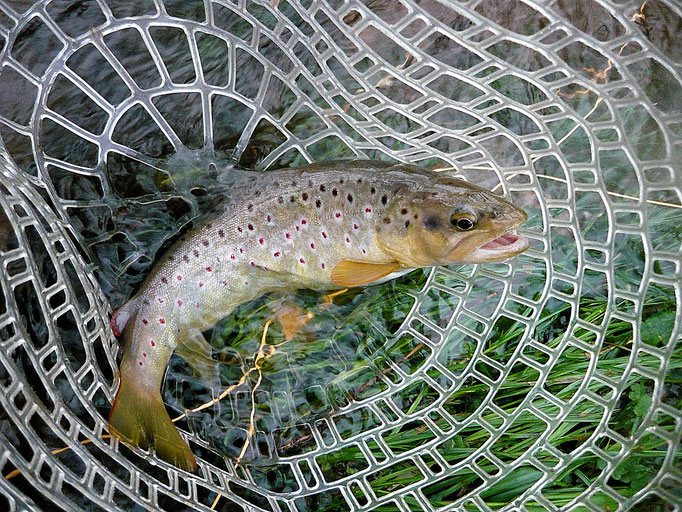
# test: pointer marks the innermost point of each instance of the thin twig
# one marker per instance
(56, 451)
(384, 372)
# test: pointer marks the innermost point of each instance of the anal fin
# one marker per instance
(349, 273)
(196, 351)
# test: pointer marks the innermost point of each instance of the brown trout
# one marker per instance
(323, 226)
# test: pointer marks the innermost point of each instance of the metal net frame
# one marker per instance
(438, 84)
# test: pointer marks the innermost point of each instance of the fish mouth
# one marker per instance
(501, 248)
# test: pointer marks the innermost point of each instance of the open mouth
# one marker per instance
(503, 247)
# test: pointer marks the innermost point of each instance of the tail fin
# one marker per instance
(139, 418)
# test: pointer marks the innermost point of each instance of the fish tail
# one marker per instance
(139, 417)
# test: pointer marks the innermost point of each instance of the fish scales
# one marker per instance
(322, 226)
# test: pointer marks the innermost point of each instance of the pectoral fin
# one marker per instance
(356, 273)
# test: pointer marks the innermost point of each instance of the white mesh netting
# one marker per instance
(550, 382)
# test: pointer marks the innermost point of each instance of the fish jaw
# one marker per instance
(501, 248)
(494, 245)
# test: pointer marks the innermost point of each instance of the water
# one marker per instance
(445, 379)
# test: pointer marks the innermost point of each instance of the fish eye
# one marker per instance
(463, 220)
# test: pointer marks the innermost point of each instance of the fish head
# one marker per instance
(446, 220)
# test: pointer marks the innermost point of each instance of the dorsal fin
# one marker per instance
(121, 316)
(356, 273)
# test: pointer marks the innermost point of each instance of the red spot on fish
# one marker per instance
(337, 215)
(355, 226)
(250, 226)
(324, 235)
(302, 260)
(180, 303)
(145, 321)
(276, 255)
(323, 265)
(162, 321)
(221, 233)
(246, 282)
(144, 354)
(241, 250)
(298, 228)
(368, 210)
(179, 278)
(288, 235)
(239, 229)
(160, 300)
(153, 343)
(304, 222)
(224, 283)
(312, 245)
(347, 240)
(197, 305)
(269, 218)
(233, 257)
(261, 241)
(140, 363)
(252, 264)
(208, 269)
(201, 284)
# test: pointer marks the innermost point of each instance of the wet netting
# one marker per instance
(550, 382)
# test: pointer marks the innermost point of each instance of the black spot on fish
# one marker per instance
(373, 190)
(359, 180)
(292, 199)
(318, 203)
(205, 242)
(322, 188)
(407, 223)
(304, 196)
(250, 207)
(433, 223)
(387, 220)
(196, 253)
(280, 199)
(250, 226)
(335, 192)
(403, 211)
(341, 180)
(350, 198)
(185, 258)
(384, 199)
